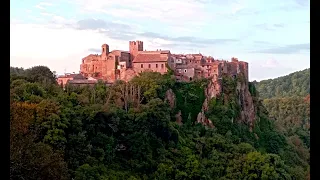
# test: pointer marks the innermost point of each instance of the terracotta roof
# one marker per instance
(198, 58)
(141, 58)
(82, 81)
(120, 51)
(78, 76)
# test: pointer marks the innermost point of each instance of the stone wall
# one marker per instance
(151, 66)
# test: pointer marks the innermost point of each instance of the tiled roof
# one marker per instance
(155, 52)
(120, 51)
(198, 58)
(141, 58)
(78, 76)
(82, 81)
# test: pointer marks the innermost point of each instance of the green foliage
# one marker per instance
(101, 132)
(294, 84)
(189, 98)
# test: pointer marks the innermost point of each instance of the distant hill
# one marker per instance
(287, 99)
(294, 84)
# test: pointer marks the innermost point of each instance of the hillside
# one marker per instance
(294, 84)
(287, 101)
(132, 131)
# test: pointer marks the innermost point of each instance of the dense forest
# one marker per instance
(294, 84)
(129, 131)
(287, 100)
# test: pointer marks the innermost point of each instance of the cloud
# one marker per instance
(46, 14)
(125, 32)
(164, 11)
(184, 40)
(271, 63)
(289, 49)
(57, 48)
(269, 27)
(42, 5)
(100, 24)
(303, 3)
(95, 50)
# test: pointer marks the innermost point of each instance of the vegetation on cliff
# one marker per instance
(129, 131)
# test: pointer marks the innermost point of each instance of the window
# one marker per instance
(141, 65)
(149, 65)
(185, 70)
(162, 66)
(156, 65)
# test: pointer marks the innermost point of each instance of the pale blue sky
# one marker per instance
(272, 35)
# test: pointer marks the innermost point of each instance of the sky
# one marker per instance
(272, 36)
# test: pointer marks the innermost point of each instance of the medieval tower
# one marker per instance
(134, 48)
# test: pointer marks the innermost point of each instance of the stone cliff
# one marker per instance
(244, 98)
(227, 89)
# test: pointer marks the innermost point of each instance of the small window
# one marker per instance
(141, 65)
(156, 65)
(185, 70)
(162, 66)
(149, 65)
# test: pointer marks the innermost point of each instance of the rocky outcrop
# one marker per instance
(245, 100)
(212, 90)
(248, 110)
(170, 98)
(179, 118)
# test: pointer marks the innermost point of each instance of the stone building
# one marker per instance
(124, 65)
(64, 79)
(117, 64)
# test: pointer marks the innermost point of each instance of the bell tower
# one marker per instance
(134, 48)
(104, 50)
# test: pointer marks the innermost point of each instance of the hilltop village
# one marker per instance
(114, 65)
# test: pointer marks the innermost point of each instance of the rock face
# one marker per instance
(179, 118)
(170, 97)
(212, 90)
(247, 112)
